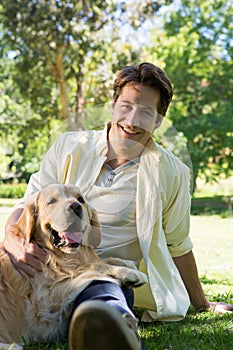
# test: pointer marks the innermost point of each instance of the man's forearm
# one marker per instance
(188, 270)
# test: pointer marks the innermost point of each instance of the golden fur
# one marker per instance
(39, 307)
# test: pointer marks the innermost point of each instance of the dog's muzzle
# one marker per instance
(59, 241)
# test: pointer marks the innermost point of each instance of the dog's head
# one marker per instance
(60, 217)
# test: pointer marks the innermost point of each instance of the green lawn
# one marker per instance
(5, 209)
(213, 242)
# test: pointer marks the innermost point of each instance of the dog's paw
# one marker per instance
(132, 278)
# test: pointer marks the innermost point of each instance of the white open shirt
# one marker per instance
(114, 198)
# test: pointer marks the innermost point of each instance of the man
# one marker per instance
(141, 194)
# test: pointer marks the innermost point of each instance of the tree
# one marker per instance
(195, 48)
(53, 39)
(62, 56)
(24, 134)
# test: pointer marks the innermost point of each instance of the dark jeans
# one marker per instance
(121, 298)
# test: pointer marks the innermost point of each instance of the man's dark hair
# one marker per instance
(149, 75)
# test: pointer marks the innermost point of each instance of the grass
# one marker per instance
(197, 332)
(213, 199)
(212, 237)
(217, 205)
(5, 209)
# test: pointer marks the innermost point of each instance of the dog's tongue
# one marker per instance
(72, 237)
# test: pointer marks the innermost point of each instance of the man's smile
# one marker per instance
(129, 130)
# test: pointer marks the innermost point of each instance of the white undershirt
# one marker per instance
(114, 198)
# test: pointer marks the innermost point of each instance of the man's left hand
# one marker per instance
(220, 307)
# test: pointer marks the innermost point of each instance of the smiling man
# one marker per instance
(134, 118)
(141, 194)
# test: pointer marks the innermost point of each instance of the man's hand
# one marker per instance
(220, 307)
(188, 270)
(25, 256)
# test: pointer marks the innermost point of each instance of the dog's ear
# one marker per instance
(94, 236)
(24, 227)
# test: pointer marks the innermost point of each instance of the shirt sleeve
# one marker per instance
(176, 213)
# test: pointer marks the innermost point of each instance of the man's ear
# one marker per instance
(158, 121)
(94, 236)
(25, 225)
(112, 106)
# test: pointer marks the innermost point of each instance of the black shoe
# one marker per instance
(96, 325)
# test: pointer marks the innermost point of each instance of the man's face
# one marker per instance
(134, 114)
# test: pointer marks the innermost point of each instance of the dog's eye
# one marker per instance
(80, 199)
(52, 201)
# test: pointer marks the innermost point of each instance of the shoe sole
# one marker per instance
(99, 326)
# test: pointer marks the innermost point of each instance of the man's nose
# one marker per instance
(133, 117)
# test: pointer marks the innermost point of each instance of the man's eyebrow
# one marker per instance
(149, 108)
(136, 104)
(126, 101)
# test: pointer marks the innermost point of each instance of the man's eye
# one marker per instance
(148, 113)
(126, 107)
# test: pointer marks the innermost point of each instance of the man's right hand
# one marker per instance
(27, 257)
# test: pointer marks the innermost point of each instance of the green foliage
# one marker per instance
(12, 190)
(195, 49)
(39, 32)
(23, 145)
(59, 57)
(55, 59)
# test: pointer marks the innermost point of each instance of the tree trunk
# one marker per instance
(59, 74)
(79, 100)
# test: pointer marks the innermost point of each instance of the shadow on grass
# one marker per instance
(210, 206)
(211, 281)
(206, 280)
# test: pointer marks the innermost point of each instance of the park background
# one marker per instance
(58, 61)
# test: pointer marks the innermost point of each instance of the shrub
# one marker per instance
(14, 190)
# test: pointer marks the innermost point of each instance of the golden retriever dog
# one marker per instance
(59, 220)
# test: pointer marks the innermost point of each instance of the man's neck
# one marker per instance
(121, 151)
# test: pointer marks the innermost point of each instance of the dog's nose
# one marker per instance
(77, 208)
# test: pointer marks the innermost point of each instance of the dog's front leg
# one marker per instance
(120, 262)
(126, 272)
